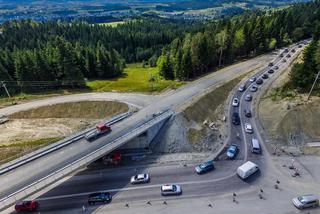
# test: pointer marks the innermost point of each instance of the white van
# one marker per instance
(255, 146)
(247, 169)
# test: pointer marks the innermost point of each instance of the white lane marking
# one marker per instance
(135, 188)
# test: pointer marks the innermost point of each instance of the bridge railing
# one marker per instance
(89, 158)
(58, 145)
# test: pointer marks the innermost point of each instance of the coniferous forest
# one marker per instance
(36, 55)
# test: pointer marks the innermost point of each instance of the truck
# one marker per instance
(100, 129)
(247, 169)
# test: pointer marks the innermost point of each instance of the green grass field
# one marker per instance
(136, 79)
(112, 24)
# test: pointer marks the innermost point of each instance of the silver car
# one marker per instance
(254, 88)
(235, 102)
(140, 179)
(171, 189)
(305, 201)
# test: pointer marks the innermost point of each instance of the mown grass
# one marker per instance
(136, 78)
(16, 150)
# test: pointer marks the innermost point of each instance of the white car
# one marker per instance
(248, 97)
(235, 102)
(140, 179)
(248, 128)
(305, 201)
(242, 88)
(171, 189)
(254, 88)
(252, 79)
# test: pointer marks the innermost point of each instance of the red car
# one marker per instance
(25, 206)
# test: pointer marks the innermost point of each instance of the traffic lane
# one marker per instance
(119, 179)
(232, 184)
(56, 160)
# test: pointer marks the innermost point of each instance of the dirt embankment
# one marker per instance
(199, 126)
(56, 121)
(290, 121)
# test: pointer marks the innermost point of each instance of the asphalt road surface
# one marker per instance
(30, 172)
(74, 192)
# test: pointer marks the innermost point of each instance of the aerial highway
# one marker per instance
(21, 177)
(73, 193)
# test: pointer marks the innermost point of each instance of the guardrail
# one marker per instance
(58, 145)
(49, 179)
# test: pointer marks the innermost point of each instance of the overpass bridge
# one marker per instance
(20, 182)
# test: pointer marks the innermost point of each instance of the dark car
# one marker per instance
(247, 113)
(300, 46)
(205, 167)
(288, 56)
(99, 197)
(286, 50)
(293, 50)
(232, 151)
(235, 118)
(276, 67)
(281, 55)
(26, 206)
(271, 71)
(265, 76)
(270, 64)
(259, 81)
(284, 60)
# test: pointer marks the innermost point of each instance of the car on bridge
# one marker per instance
(205, 167)
(26, 206)
(270, 64)
(289, 55)
(248, 128)
(306, 201)
(236, 118)
(171, 189)
(284, 60)
(140, 179)
(235, 102)
(276, 67)
(99, 197)
(232, 151)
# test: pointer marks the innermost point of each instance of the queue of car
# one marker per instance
(244, 171)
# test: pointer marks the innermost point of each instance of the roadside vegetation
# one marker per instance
(136, 78)
(12, 151)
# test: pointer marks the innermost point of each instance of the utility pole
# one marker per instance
(314, 83)
(5, 88)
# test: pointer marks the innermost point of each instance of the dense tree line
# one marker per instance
(222, 42)
(64, 54)
(303, 74)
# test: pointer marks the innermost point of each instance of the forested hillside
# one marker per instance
(66, 53)
(238, 37)
(303, 74)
